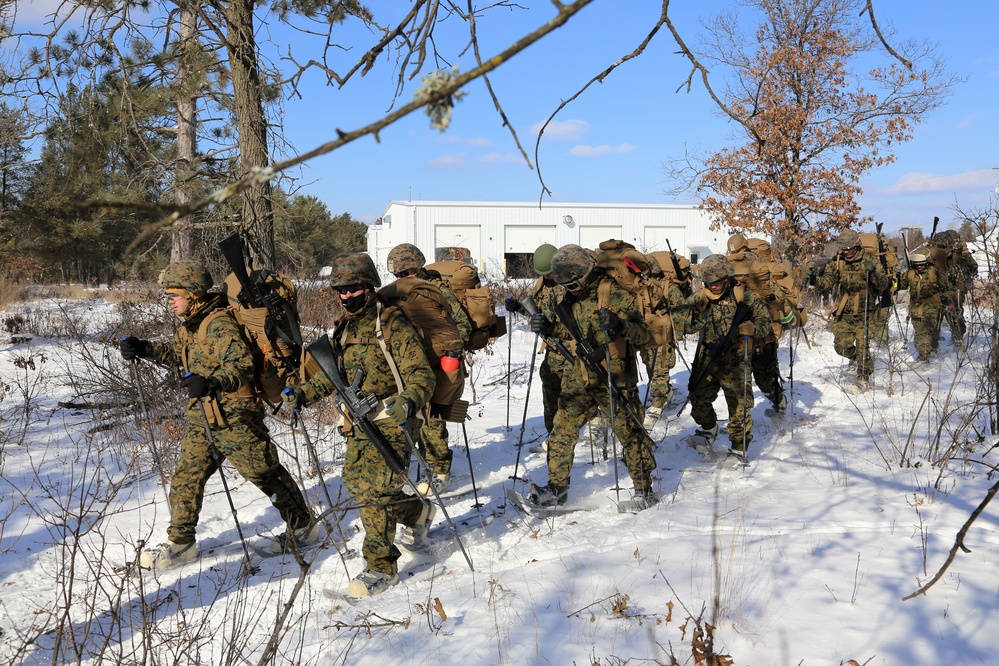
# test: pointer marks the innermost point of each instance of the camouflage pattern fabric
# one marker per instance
(434, 445)
(371, 483)
(354, 268)
(926, 286)
(189, 275)
(732, 372)
(405, 257)
(582, 394)
(554, 365)
(766, 370)
(243, 438)
(859, 297)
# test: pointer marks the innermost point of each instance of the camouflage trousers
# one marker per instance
(245, 443)
(658, 362)
(377, 491)
(879, 325)
(550, 373)
(734, 378)
(577, 407)
(434, 446)
(954, 314)
(766, 371)
(926, 327)
(851, 340)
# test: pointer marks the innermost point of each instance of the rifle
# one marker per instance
(359, 406)
(936, 221)
(686, 289)
(280, 314)
(592, 357)
(714, 352)
(886, 299)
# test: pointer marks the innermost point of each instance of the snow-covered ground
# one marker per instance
(803, 558)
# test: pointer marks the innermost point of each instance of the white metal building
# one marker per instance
(502, 236)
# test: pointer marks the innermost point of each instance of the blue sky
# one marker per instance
(608, 145)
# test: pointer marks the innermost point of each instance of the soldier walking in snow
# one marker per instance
(732, 322)
(399, 375)
(210, 348)
(926, 287)
(406, 260)
(603, 313)
(858, 280)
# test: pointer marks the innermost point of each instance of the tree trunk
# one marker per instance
(182, 233)
(258, 214)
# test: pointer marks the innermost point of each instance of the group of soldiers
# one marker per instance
(594, 331)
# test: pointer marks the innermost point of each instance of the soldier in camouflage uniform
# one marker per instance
(926, 286)
(210, 348)
(407, 260)
(546, 294)
(659, 361)
(960, 269)
(601, 309)
(371, 483)
(858, 280)
(724, 357)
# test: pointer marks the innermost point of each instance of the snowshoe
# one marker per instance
(412, 538)
(439, 480)
(547, 496)
(368, 583)
(652, 416)
(702, 440)
(734, 460)
(168, 555)
(300, 540)
(640, 502)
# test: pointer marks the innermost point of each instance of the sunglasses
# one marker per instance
(344, 289)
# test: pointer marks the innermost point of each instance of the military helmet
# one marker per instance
(849, 238)
(543, 258)
(736, 243)
(354, 268)
(946, 239)
(570, 263)
(188, 275)
(716, 267)
(405, 257)
(919, 256)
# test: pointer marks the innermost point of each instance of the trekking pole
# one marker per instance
(471, 471)
(157, 461)
(793, 334)
(867, 298)
(745, 394)
(527, 401)
(248, 565)
(610, 412)
(509, 375)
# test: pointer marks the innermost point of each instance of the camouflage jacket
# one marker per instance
(713, 318)
(224, 356)
(546, 296)
(356, 348)
(458, 313)
(855, 287)
(636, 334)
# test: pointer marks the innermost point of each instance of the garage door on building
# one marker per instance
(656, 237)
(592, 237)
(468, 236)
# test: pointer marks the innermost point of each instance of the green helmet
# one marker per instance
(716, 267)
(189, 275)
(570, 263)
(543, 258)
(354, 268)
(405, 257)
(947, 239)
(849, 238)
(736, 243)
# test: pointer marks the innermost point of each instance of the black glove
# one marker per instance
(610, 322)
(293, 398)
(541, 326)
(198, 386)
(398, 411)
(512, 304)
(132, 348)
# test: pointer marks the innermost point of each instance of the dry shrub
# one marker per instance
(10, 292)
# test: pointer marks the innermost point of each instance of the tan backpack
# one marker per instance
(635, 272)
(426, 308)
(475, 298)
